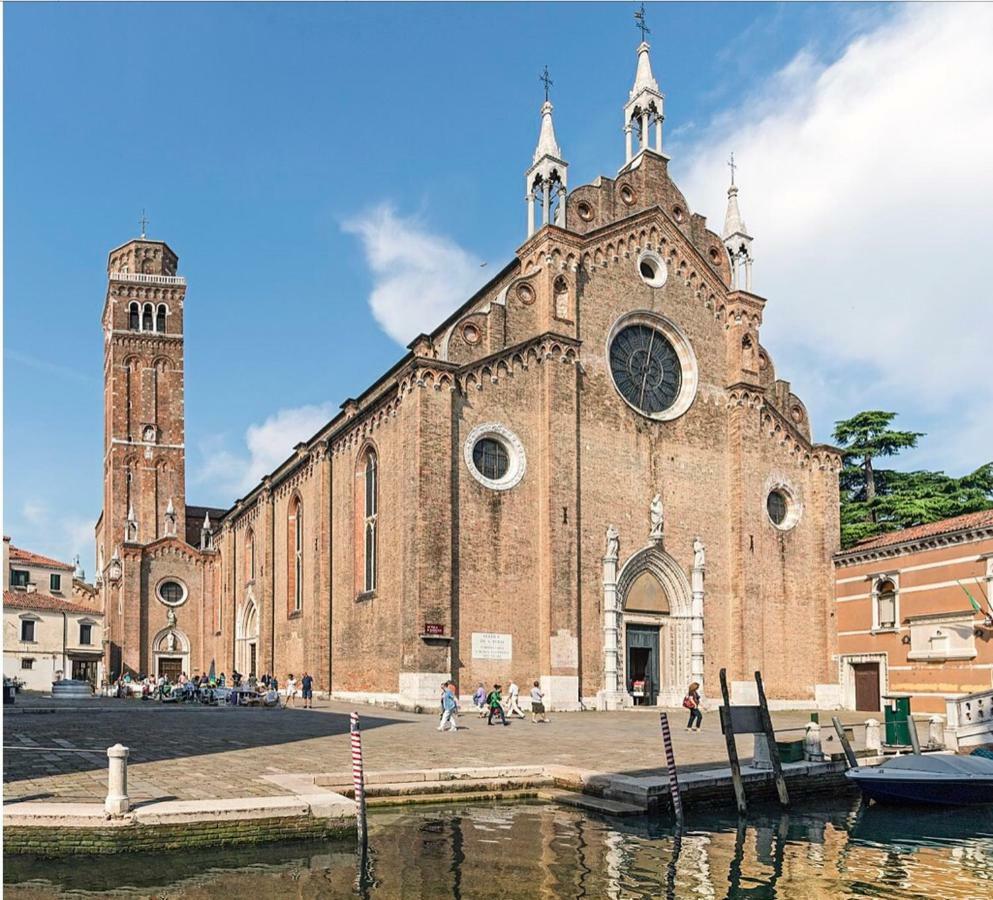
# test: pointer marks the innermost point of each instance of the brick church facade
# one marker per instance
(588, 475)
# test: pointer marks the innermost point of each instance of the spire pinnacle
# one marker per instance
(737, 240)
(547, 145)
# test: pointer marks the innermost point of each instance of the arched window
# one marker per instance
(134, 322)
(294, 553)
(371, 515)
(146, 318)
(886, 603)
(250, 556)
(160, 317)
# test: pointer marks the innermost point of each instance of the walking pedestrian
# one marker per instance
(494, 701)
(450, 708)
(291, 691)
(513, 704)
(307, 686)
(537, 705)
(692, 702)
(479, 700)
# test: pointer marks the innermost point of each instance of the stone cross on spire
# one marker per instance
(639, 18)
(732, 167)
(544, 77)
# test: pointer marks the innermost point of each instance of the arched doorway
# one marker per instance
(655, 628)
(171, 653)
(247, 646)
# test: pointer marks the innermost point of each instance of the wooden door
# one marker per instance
(866, 686)
(171, 668)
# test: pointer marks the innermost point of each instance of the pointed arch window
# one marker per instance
(146, 318)
(134, 317)
(371, 521)
(160, 317)
(250, 555)
(294, 548)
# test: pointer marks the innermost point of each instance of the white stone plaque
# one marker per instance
(487, 645)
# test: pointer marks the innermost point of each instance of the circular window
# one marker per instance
(677, 213)
(652, 365)
(783, 510)
(652, 269)
(490, 458)
(470, 334)
(627, 194)
(495, 456)
(715, 255)
(585, 211)
(171, 592)
(525, 293)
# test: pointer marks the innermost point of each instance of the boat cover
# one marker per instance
(942, 764)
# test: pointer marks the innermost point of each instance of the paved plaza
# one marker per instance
(198, 753)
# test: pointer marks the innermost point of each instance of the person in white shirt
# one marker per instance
(513, 706)
(537, 705)
(291, 690)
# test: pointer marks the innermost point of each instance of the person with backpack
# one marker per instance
(692, 702)
(494, 702)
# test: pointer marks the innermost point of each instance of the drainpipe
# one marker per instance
(65, 637)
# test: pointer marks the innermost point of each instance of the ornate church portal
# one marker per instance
(653, 622)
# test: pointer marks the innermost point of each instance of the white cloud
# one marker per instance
(35, 512)
(867, 184)
(267, 444)
(418, 277)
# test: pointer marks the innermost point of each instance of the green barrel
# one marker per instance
(897, 728)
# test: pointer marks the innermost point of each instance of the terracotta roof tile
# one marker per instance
(44, 602)
(981, 519)
(26, 557)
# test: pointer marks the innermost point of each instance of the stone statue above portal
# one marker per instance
(699, 554)
(656, 513)
(613, 542)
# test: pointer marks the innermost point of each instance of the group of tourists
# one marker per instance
(491, 704)
(210, 688)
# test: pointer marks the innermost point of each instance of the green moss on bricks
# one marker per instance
(54, 842)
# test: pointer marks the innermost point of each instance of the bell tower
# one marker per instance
(546, 180)
(144, 433)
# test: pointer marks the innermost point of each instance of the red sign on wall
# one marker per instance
(434, 629)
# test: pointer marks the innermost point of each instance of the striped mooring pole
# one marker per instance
(670, 762)
(358, 780)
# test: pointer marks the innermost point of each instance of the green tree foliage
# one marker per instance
(875, 501)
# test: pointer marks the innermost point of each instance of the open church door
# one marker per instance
(642, 646)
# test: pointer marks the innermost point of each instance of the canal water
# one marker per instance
(524, 851)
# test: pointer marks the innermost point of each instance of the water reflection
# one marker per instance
(526, 851)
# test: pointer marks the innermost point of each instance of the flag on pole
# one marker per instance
(972, 599)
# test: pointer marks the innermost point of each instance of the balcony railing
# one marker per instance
(140, 278)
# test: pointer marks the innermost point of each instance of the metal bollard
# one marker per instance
(873, 736)
(812, 750)
(936, 731)
(117, 802)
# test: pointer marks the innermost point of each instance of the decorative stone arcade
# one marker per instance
(650, 590)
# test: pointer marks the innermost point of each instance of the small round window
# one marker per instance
(783, 510)
(777, 506)
(627, 194)
(652, 269)
(172, 592)
(585, 211)
(490, 458)
(495, 456)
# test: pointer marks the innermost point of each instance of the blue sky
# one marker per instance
(304, 160)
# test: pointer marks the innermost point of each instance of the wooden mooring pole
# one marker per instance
(358, 781)
(670, 762)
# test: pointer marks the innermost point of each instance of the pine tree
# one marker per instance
(875, 501)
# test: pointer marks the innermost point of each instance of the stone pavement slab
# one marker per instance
(181, 752)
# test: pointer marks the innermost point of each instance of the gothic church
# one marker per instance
(588, 475)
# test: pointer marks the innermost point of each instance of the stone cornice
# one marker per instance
(854, 556)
